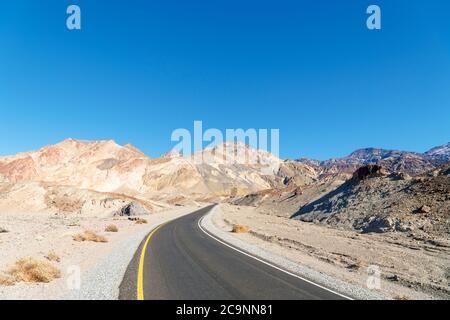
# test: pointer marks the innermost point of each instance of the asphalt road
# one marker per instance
(181, 262)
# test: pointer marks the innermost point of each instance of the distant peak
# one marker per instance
(74, 141)
(173, 154)
(440, 150)
(81, 141)
(228, 144)
(365, 151)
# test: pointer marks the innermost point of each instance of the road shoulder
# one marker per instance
(104, 281)
(88, 270)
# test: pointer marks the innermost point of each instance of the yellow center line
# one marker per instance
(140, 278)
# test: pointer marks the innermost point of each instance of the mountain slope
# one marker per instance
(412, 163)
(41, 197)
(105, 166)
(376, 201)
(228, 170)
(307, 180)
(440, 154)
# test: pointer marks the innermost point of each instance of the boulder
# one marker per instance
(424, 209)
(379, 225)
(400, 176)
(445, 170)
(369, 171)
(393, 277)
(131, 209)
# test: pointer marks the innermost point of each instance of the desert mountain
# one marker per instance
(336, 191)
(439, 154)
(229, 170)
(105, 166)
(412, 163)
(375, 200)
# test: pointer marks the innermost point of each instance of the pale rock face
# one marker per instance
(172, 154)
(40, 197)
(105, 166)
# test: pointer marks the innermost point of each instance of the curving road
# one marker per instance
(180, 261)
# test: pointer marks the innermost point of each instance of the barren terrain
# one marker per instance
(374, 207)
(44, 237)
(410, 269)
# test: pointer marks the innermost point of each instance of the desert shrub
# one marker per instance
(237, 228)
(32, 270)
(89, 236)
(6, 280)
(111, 228)
(141, 221)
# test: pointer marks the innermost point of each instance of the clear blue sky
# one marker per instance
(139, 69)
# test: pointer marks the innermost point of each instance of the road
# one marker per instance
(179, 261)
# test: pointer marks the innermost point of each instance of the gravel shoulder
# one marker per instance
(89, 270)
(341, 260)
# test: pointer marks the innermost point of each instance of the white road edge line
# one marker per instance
(268, 263)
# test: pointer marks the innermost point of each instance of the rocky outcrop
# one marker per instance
(369, 171)
(130, 210)
(376, 201)
(296, 173)
(40, 197)
(444, 170)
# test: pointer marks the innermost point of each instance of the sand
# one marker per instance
(37, 235)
